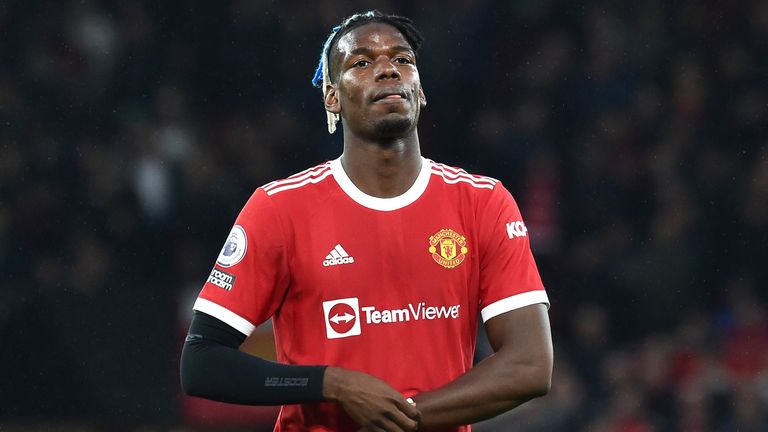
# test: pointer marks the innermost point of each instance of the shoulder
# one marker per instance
(308, 177)
(487, 193)
(282, 195)
(451, 175)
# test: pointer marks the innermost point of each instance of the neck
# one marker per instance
(383, 169)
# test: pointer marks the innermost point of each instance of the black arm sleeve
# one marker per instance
(213, 367)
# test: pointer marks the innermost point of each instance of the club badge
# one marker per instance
(448, 248)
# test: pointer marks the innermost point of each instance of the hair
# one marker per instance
(322, 75)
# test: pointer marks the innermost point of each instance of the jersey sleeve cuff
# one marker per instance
(515, 302)
(217, 311)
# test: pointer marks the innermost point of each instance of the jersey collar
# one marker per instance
(382, 204)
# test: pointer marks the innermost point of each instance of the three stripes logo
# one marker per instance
(337, 256)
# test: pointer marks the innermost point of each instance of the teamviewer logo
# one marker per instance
(342, 318)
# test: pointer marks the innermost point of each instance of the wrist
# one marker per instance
(333, 383)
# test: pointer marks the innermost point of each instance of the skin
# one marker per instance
(520, 370)
(382, 158)
(381, 144)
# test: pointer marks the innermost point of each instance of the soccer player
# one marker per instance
(374, 268)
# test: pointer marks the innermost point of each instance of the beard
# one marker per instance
(393, 127)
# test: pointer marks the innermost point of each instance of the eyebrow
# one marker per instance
(366, 50)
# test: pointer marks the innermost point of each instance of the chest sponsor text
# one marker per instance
(414, 312)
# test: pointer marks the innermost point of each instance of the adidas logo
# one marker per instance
(337, 256)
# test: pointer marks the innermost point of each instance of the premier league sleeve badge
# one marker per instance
(234, 248)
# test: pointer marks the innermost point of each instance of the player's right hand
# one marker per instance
(371, 402)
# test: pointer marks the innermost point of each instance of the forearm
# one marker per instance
(520, 370)
(226, 374)
(214, 368)
(496, 385)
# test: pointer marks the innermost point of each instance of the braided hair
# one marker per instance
(322, 75)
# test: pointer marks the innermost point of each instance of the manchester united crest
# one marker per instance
(448, 248)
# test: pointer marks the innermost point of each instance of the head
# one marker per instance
(368, 75)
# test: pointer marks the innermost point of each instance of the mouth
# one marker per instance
(390, 95)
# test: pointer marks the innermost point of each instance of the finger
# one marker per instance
(385, 424)
(409, 408)
(403, 422)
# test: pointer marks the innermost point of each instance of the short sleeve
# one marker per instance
(509, 278)
(250, 276)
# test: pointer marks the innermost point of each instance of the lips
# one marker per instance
(390, 95)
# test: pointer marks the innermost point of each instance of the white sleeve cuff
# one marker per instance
(515, 302)
(217, 311)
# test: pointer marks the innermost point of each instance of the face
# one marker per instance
(377, 89)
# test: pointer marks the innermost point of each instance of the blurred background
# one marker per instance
(632, 135)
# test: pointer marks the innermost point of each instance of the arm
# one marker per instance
(213, 367)
(520, 370)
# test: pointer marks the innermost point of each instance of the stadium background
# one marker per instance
(633, 136)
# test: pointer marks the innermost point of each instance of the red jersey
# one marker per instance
(388, 286)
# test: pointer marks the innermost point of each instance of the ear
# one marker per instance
(332, 102)
(422, 97)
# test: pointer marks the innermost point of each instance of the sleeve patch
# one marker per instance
(222, 279)
(234, 248)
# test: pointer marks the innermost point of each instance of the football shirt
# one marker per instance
(387, 286)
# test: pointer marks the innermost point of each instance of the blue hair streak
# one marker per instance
(317, 80)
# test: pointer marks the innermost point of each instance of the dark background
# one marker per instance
(632, 135)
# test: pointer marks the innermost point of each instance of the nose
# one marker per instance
(385, 69)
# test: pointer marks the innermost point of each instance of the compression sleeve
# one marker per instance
(212, 367)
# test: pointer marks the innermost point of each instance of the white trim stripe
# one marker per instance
(296, 179)
(382, 204)
(463, 180)
(515, 302)
(311, 180)
(316, 167)
(456, 172)
(298, 174)
(310, 173)
(217, 311)
(473, 179)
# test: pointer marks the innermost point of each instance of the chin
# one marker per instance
(393, 127)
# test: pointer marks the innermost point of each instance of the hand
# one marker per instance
(365, 429)
(371, 402)
(374, 429)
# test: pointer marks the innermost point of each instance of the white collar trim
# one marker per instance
(382, 204)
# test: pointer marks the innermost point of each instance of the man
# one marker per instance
(374, 268)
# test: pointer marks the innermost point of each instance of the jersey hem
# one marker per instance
(515, 302)
(217, 311)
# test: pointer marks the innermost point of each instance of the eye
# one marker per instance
(361, 63)
(403, 60)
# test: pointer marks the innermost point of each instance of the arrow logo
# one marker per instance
(342, 318)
